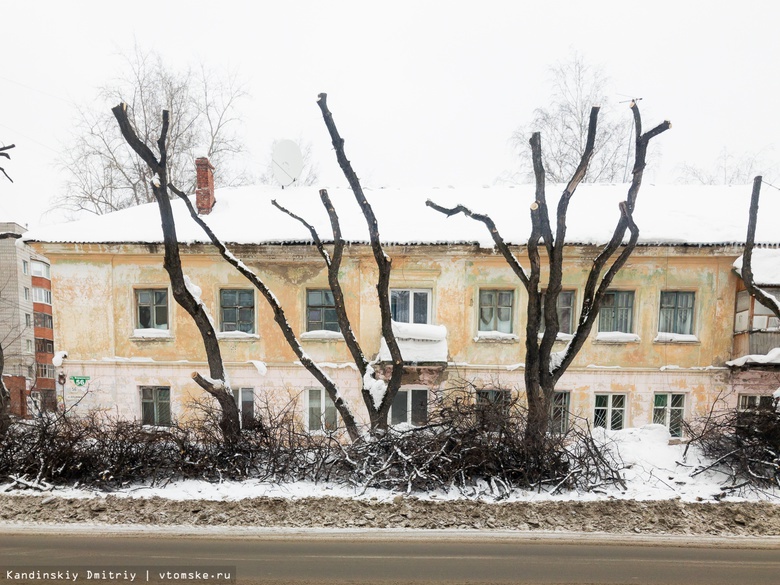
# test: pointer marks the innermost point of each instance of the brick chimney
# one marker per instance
(204, 191)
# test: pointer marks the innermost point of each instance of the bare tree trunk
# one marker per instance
(384, 266)
(5, 399)
(216, 385)
(763, 297)
(543, 367)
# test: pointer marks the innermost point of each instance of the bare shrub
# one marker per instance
(743, 444)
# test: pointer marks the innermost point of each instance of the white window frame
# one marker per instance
(610, 409)
(41, 295)
(410, 392)
(412, 291)
(325, 404)
(26, 293)
(47, 371)
(753, 402)
(25, 267)
(662, 414)
(41, 269)
(239, 395)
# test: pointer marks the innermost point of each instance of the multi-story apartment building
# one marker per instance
(658, 354)
(26, 327)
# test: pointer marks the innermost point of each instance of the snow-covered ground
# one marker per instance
(653, 469)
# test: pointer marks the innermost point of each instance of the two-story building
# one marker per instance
(658, 354)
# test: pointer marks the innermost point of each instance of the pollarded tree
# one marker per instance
(188, 297)
(543, 367)
(761, 295)
(377, 394)
(5, 395)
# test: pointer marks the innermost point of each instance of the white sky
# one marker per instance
(425, 93)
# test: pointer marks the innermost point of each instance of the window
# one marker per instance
(26, 294)
(617, 312)
(44, 345)
(669, 410)
(493, 407)
(43, 320)
(321, 411)
(763, 317)
(41, 269)
(245, 401)
(559, 413)
(565, 305)
(410, 305)
(410, 406)
(29, 345)
(237, 307)
(321, 311)
(156, 406)
(45, 371)
(151, 309)
(755, 402)
(676, 313)
(41, 295)
(27, 320)
(495, 310)
(25, 267)
(610, 411)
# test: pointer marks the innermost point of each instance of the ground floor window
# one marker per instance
(559, 412)
(755, 402)
(156, 406)
(493, 407)
(610, 411)
(410, 406)
(245, 401)
(321, 411)
(669, 410)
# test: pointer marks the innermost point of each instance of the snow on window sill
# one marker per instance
(495, 337)
(675, 338)
(322, 335)
(237, 336)
(560, 336)
(616, 337)
(151, 335)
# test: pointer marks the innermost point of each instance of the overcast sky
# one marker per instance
(425, 93)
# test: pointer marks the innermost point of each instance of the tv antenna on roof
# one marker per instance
(286, 162)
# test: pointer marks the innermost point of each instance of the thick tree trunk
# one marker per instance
(217, 386)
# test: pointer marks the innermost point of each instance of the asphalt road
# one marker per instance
(398, 558)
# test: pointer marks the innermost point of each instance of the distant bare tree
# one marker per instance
(103, 176)
(728, 169)
(564, 124)
(543, 366)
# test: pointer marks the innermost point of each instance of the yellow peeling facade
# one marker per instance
(96, 316)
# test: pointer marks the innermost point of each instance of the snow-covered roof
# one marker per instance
(674, 214)
(765, 263)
